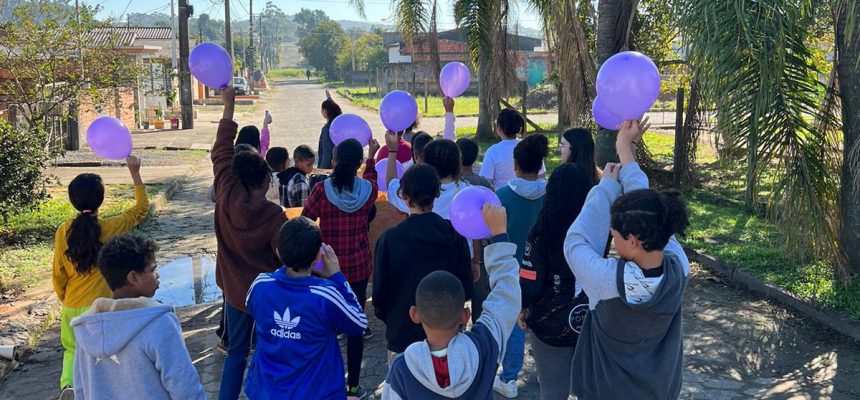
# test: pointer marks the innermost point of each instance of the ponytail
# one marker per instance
(348, 156)
(86, 193)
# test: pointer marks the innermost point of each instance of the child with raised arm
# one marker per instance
(130, 346)
(298, 317)
(453, 363)
(75, 276)
(631, 342)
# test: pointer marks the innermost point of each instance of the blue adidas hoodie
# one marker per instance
(297, 323)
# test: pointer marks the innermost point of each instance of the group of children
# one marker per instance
(602, 327)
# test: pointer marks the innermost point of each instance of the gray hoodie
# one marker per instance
(631, 344)
(349, 201)
(473, 356)
(132, 349)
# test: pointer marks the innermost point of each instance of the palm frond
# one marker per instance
(755, 68)
(359, 7)
(475, 19)
(412, 18)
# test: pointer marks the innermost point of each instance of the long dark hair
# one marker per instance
(582, 151)
(249, 135)
(444, 156)
(566, 191)
(86, 193)
(348, 155)
(331, 108)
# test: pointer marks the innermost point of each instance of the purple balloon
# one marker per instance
(628, 84)
(318, 266)
(398, 110)
(605, 118)
(380, 173)
(109, 138)
(211, 64)
(350, 126)
(466, 211)
(454, 79)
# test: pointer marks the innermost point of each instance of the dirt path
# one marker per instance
(737, 345)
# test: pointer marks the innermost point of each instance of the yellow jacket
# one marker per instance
(77, 290)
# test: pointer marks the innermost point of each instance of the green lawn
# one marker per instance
(735, 235)
(466, 106)
(26, 242)
(289, 73)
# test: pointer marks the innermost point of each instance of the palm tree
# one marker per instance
(848, 51)
(756, 71)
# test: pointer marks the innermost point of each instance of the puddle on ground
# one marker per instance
(187, 281)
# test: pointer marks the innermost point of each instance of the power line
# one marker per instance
(123, 11)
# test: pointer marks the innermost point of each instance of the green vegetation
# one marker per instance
(27, 241)
(289, 73)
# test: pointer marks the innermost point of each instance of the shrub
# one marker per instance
(23, 158)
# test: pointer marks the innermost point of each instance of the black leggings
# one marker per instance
(355, 344)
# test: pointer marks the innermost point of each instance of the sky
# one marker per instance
(378, 11)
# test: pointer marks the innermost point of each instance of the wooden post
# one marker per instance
(369, 82)
(396, 83)
(679, 170)
(414, 85)
(426, 94)
(377, 82)
(525, 108)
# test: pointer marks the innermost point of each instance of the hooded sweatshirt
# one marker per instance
(631, 343)
(297, 320)
(345, 220)
(246, 229)
(523, 200)
(472, 357)
(405, 254)
(132, 349)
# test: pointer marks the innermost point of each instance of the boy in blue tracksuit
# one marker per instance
(298, 318)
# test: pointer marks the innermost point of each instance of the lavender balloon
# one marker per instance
(605, 118)
(398, 110)
(350, 126)
(466, 211)
(109, 138)
(454, 79)
(211, 64)
(380, 173)
(628, 84)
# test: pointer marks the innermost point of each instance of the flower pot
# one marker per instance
(145, 124)
(174, 123)
(159, 124)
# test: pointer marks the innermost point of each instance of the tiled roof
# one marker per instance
(126, 36)
(150, 32)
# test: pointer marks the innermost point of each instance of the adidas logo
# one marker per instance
(286, 324)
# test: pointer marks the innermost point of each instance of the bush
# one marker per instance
(22, 184)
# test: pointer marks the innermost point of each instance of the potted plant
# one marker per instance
(145, 124)
(159, 118)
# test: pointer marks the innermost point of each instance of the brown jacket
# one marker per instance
(247, 231)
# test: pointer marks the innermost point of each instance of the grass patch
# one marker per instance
(289, 73)
(27, 240)
(466, 106)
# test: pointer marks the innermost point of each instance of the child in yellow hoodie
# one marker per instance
(77, 281)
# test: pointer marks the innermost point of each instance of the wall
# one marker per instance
(88, 111)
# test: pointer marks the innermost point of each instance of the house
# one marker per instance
(408, 66)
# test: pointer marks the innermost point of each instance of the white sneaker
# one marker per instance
(67, 394)
(506, 389)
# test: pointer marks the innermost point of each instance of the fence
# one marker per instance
(61, 124)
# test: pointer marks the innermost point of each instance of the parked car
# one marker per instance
(240, 85)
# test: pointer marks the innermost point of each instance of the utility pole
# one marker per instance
(250, 60)
(228, 35)
(199, 31)
(172, 35)
(262, 46)
(80, 38)
(185, 12)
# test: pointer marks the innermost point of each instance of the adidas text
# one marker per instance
(281, 333)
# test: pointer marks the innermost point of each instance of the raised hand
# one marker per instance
(133, 164)
(229, 97)
(448, 103)
(372, 148)
(329, 260)
(391, 141)
(496, 218)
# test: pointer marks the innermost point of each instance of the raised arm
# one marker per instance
(391, 143)
(130, 218)
(503, 304)
(265, 135)
(222, 150)
(450, 131)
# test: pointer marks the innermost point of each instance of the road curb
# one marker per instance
(827, 316)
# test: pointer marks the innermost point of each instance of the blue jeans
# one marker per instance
(240, 326)
(514, 352)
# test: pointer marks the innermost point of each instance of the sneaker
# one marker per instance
(67, 394)
(358, 391)
(222, 347)
(367, 334)
(505, 389)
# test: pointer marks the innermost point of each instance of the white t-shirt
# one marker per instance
(498, 164)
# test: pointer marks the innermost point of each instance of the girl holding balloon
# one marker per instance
(76, 278)
(330, 110)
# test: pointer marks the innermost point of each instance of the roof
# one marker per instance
(127, 36)
(150, 32)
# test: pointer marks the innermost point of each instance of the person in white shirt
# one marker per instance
(498, 164)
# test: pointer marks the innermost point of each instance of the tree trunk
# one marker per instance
(612, 24)
(849, 91)
(488, 104)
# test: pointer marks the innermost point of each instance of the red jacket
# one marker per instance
(346, 233)
(247, 231)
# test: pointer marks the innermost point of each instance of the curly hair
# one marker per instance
(530, 152)
(444, 156)
(299, 242)
(251, 170)
(124, 254)
(653, 216)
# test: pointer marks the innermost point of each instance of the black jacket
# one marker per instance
(404, 255)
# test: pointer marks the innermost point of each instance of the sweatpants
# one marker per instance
(553, 366)
(355, 344)
(67, 339)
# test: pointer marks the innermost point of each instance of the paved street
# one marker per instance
(737, 345)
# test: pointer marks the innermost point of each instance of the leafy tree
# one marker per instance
(276, 28)
(208, 29)
(306, 20)
(369, 54)
(322, 46)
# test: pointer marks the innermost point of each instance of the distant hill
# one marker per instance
(364, 26)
